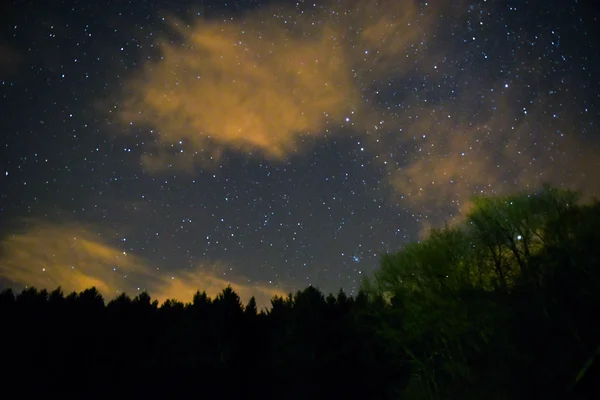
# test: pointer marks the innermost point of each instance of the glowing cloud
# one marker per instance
(233, 87)
(456, 161)
(49, 255)
(71, 256)
(186, 284)
(265, 83)
(261, 86)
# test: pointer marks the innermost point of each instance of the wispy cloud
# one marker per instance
(501, 152)
(71, 256)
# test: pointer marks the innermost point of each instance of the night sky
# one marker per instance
(170, 146)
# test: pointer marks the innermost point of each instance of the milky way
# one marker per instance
(275, 145)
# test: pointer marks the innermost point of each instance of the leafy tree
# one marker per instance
(489, 297)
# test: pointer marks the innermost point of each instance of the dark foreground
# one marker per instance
(505, 306)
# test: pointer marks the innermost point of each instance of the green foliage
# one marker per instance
(500, 306)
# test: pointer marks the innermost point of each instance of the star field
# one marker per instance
(272, 145)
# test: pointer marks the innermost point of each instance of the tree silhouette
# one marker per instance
(250, 310)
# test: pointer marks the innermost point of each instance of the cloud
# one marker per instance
(265, 84)
(234, 87)
(503, 153)
(271, 82)
(49, 255)
(187, 283)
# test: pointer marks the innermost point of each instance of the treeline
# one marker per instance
(504, 306)
(305, 346)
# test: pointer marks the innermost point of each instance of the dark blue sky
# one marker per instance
(276, 144)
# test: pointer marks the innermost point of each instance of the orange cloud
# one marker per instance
(71, 256)
(51, 255)
(262, 85)
(456, 161)
(187, 283)
(234, 87)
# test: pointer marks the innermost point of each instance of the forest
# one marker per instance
(504, 305)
